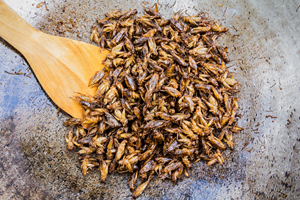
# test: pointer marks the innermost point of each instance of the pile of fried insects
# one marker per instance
(164, 101)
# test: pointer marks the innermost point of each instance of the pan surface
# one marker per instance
(264, 47)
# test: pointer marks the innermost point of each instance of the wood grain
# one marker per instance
(62, 66)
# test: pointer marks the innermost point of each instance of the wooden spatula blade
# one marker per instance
(62, 66)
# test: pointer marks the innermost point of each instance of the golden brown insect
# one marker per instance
(176, 174)
(218, 28)
(119, 36)
(223, 53)
(172, 91)
(164, 116)
(132, 180)
(185, 129)
(97, 141)
(196, 129)
(180, 116)
(155, 124)
(131, 32)
(110, 95)
(125, 163)
(158, 137)
(153, 64)
(186, 161)
(127, 14)
(130, 82)
(137, 113)
(172, 166)
(150, 33)
(69, 140)
(138, 191)
(176, 24)
(148, 166)
(95, 35)
(111, 120)
(152, 46)
(229, 139)
(212, 104)
(152, 12)
(227, 102)
(117, 50)
(184, 152)
(121, 116)
(103, 170)
(86, 150)
(86, 164)
(216, 142)
(217, 94)
(102, 22)
(129, 45)
(72, 122)
(110, 149)
(96, 78)
(217, 157)
(120, 150)
(179, 60)
(109, 27)
(199, 50)
(201, 29)
(173, 145)
(115, 14)
(127, 23)
(151, 87)
(191, 19)
(146, 154)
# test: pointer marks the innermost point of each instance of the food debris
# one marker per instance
(14, 73)
(236, 35)
(271, 116)
(273, 85)
(222, 4)
(249, 150)
(283, 195)
(164, 101)
(279, 84)
(41, 4)
(58, 111)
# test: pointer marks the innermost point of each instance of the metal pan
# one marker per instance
(263, 40)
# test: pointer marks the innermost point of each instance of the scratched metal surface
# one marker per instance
(264, 47)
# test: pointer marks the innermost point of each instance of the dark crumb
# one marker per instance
(297, 8)
(270, 116)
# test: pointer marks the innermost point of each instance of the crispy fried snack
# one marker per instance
(165, 99)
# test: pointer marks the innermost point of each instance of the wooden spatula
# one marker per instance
(62, 66)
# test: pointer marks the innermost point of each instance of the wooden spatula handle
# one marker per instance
(14, 29)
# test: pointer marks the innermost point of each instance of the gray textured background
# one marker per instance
(264, 47)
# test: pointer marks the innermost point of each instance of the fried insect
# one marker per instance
(120, 150)
(69, 140)
(138, 191)
(164, 101)
(103, 170)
